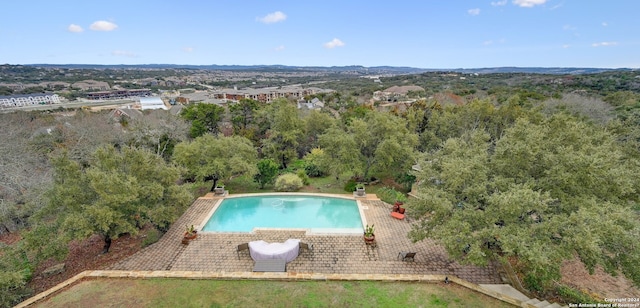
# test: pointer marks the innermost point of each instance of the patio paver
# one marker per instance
(332, 254)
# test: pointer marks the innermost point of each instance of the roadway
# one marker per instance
(70, 105)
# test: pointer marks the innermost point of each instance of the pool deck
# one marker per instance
(333, 254)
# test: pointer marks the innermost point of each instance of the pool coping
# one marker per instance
(308, 231)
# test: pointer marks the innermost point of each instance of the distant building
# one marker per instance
(266, 95)
(395, 92)
(15, 86)
(182, 100)
(313, 104)
(91, 85)
(151, 103)
(20, 100)
(128, 113)
(118, 94)
(49, 85)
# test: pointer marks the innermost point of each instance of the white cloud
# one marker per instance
(75, 28)
(102, 25)
(473, 12)
(569, 28)
(486, 43)
(122, 53)
(499, 3)
(334, 43)
(272, 18)
(279, 48)
(602, 44)
(566, 46)
(528, 3)
(604, 24)
(187, 49)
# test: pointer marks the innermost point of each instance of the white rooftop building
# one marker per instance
(150, 103)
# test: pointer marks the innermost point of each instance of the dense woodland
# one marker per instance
(536, 168)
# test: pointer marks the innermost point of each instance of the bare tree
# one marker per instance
(158, 131)
(23, 172)
(593, 108)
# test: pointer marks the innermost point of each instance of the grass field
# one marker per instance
(250, 293)
(326, 185)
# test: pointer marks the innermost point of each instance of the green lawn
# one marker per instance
(250, 293)
(327, 185)
(243, 184)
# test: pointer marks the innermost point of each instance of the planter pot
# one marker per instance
(219, 190)
(360, 191)
(190, 236)
(369, 239)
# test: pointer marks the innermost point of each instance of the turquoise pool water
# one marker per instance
(320, 214)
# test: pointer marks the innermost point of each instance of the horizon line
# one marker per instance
(333, 66)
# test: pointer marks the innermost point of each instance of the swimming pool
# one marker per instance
(317, 214)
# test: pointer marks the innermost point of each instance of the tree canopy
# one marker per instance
(379, 142)
(267, 172)
(545, 192)
(204, 118)
(242, 117)
(285, 133)
(216, 157)
(117, 193)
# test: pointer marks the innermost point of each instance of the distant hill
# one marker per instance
(541, 70)
(352, 68)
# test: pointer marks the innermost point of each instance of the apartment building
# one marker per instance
(20, 100)
(118, 94)
(265, 95)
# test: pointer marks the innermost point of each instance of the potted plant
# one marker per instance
(219, 189)
(190, 234)
(360, 189)
(369, 236)
(400, 200)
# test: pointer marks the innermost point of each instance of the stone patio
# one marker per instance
(332, 254)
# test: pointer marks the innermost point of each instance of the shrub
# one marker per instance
(313, 170)
(350, 185)
(303, 176)
(294, 166)
(153, 235)
(571, 295)
(313, 162)
(288, 182)
(533, 283)
(390, 195)
(267, 172)
(12, 288)
(15, 271)
(407, 180)
(386, 194)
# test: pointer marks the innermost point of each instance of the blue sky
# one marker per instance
(416, 33)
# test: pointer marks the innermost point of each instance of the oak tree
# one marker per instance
(116, 194)
(216, 158)
(204, 118)
(545, 192)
